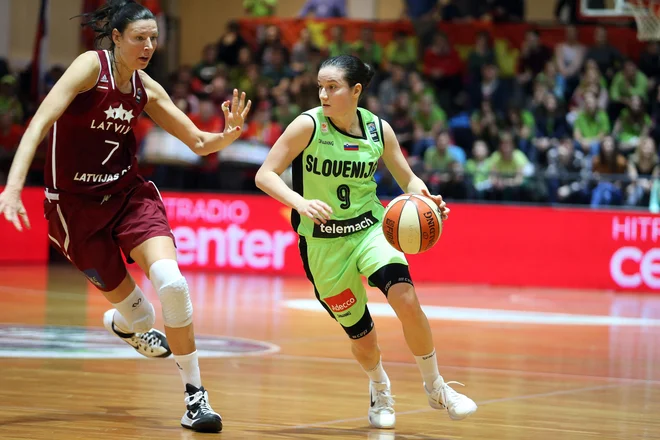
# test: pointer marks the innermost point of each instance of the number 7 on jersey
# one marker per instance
(116, 144)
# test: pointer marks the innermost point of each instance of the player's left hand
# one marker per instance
(442, 206)
(235, 114)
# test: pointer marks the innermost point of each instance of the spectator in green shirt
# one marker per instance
(508, 169)
(367, 49)
(591, 126)
(338, 46)
(477, 170)
(632, 125)
(401, 51)
(627, 83)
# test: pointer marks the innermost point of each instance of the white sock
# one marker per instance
(132, 306)
(189, 369)
(377, 374)
(428, 366)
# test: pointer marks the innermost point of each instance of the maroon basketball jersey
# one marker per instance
(92, 148)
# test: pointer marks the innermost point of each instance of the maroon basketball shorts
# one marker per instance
(93, 231)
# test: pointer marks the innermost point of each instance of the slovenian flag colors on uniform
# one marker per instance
(351, 147)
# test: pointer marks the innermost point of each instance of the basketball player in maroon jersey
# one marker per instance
(98, 206)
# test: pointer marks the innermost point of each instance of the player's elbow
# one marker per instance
(262, 178)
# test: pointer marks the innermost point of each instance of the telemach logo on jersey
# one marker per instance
(342, 228)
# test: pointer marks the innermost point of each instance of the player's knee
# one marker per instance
(365, 346)
(173, 292)
(404, 301)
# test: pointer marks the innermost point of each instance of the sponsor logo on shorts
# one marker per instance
(94, 277)
(63, 342)
(342, 302)
(341, 228)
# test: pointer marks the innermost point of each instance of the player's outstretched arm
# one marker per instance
(80, 76)
(167, 115)
(396, 162)
(293, 141)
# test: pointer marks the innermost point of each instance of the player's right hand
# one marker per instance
(12, 208)
(317, 210)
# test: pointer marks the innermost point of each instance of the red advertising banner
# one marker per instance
(480, 244)
(31, 245)
(483, 244)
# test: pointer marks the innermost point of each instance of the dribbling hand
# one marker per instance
(13, 210)
(317, 210)
(235, 115)
(442, 206)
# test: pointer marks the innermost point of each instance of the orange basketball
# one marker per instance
(412, 223)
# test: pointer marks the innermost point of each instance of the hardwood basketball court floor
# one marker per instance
(542, 364)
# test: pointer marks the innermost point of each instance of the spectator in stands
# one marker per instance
(632, 125)
(419, 88)
(9, 101)
(324, 9)
(277, 69)
(400, 51)
(285, 111)
(564, 174)
(533, 57)
(551, 126)
(271, 43)
(338, 45)
(264, 127)
(649, 63)
(304, 90)
(607, 57)
(402, 123)
(553, 80)
(480, 56)
(491, 88)
(608, 173)
(220, 91)
(591, 126)
(443, 68)
(509, 168)
(429, 119)
(368, 49)
(301, 54)
(209, 120)
(260, 8)
(520, 122)
(230, 44)
(387, 187)
(643, 168)
(443, 169)
(627, 83)
(390, 88)
(570, 59)
(477, 170)
(591, 82)
(485, 124)
(207, 68)
(184, 99)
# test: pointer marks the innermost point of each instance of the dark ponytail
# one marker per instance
(355, 70)
(115, 14)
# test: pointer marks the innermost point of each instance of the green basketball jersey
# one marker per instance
(338, 169)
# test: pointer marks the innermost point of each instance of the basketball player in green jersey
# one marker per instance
(334, 150)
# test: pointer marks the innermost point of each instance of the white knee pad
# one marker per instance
(172, 289)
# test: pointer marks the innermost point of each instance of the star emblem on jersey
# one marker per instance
(119, 113)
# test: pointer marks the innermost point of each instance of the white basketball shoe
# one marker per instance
(151, 344)
(443, 396)
(381, 411)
